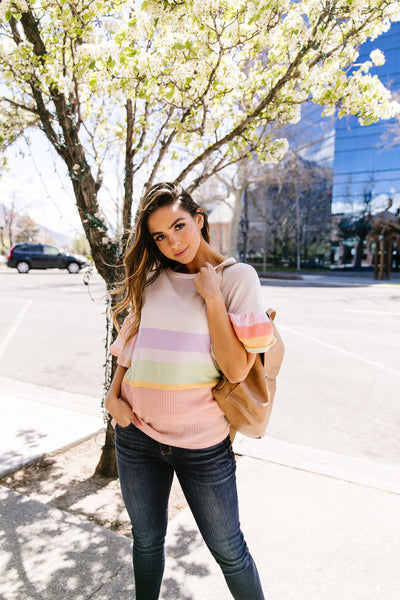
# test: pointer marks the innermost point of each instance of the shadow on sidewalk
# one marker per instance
(186, 542)
(50, 554)
(27, 439)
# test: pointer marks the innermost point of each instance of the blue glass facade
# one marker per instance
(366, 166)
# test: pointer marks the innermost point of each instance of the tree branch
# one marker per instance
(249, 119)
(15, 33)
(290, 74)
(165, 144)
(128, 182)
(21, 106)
(156, 139)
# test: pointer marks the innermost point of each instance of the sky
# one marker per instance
(37, 181)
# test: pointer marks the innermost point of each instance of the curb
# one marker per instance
(359, 471)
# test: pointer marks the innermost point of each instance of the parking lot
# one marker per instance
(54, 328)
(338, 389)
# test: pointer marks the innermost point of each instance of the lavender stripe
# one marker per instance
(163, 339)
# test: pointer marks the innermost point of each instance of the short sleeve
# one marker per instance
(120, 347)
(242, 292)
(254, 330)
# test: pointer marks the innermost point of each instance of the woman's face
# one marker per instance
(176, 233)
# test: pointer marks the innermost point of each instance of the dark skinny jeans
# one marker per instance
(208, 480)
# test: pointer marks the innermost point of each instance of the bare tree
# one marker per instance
(10, 216)
(26, 229)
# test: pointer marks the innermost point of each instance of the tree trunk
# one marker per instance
(298, 233)
(233, 231)
(245, 224)
(107, 465)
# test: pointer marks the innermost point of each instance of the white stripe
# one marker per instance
(13, 329)
(175, 356)
(372, 363)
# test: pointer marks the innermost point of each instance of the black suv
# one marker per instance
(43, 256)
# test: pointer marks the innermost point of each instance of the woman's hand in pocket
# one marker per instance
(120, 411)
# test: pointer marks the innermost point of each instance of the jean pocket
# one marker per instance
(118, 426)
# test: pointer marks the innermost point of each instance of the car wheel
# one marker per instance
(23, 267)
(73, 267)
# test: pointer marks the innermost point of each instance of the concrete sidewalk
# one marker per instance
(332, 278)
(37, 420)
(313, 537)
(321, 526)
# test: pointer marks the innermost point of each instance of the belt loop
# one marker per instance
(165, 450)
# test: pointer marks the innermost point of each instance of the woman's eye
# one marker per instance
(159, 238)
(179, 226)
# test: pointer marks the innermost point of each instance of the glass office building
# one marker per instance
(366, 163)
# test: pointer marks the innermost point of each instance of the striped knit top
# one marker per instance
(171, 368)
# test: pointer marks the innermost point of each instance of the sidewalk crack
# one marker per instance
(101, 586)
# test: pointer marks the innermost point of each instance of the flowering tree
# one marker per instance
(185, 85)
(307, 139)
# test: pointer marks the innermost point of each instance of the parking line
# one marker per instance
(373, 312)
(367, 361)
(14, 327)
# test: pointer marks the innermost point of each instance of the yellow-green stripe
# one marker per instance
(171, 373)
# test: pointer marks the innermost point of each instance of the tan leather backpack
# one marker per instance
(248, 404)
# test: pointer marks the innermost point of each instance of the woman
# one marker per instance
(187, 322)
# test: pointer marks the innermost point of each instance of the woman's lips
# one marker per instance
(181, 253)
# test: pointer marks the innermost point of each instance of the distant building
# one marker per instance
(366, 172)
(344, 244)
(366, 164)
(291, 207)
(220, 221)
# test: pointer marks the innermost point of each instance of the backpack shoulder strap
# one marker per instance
(226, 263)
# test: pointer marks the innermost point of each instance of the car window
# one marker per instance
(50, 250)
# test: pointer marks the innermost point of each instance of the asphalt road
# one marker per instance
(55, 328)
(339, 385)
(338, 389)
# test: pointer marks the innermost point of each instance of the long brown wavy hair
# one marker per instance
(143, 260)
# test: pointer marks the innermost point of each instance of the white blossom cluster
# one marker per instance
(198, 70)
(377, 57)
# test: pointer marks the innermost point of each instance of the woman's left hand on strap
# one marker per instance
(208, 282)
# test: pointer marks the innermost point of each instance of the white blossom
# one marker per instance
(377, 57)
(194, 71)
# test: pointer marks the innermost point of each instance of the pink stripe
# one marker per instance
(251, 331)
(188, 419)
